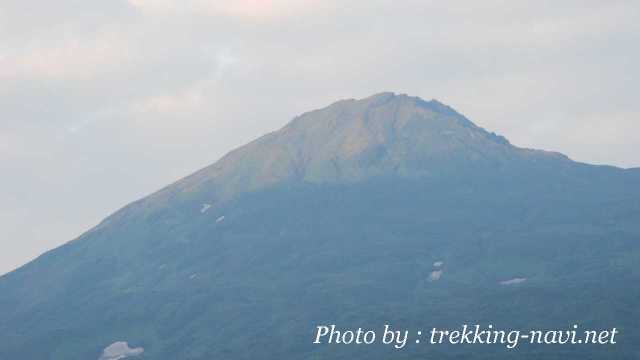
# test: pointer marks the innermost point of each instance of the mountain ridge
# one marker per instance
(352, 140)
(290, 166)
(164, 195)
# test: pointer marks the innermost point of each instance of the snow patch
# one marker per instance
(205, 207)
(119, 350)
(438, 264)
(220, 219)
(435, 275)
(514, 281)
(193, 276)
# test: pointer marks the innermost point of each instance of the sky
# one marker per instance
(104, 102)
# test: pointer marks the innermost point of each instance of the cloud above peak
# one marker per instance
(252, 9)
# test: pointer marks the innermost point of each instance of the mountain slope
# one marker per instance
(340, 217)
(355, 140)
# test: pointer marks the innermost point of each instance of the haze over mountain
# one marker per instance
(389, 209)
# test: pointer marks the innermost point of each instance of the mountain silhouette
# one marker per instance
(384, 210)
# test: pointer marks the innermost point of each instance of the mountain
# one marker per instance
(384, 210)
(357, 140)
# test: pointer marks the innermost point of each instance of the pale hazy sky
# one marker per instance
(102, 102)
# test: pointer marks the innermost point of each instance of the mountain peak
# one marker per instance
(383, 135)
(389, 103)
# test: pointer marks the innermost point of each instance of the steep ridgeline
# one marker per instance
(385, 135)
(384, 210)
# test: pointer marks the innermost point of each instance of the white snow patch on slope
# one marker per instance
(205, 207)
(514, 281)
(220, 219)
(438, 264)
(119, 350)
(435, 275)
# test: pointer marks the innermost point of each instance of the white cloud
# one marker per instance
(195, 97)
(255, 9)
(68, 59)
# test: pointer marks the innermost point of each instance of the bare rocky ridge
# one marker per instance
(355, 140)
